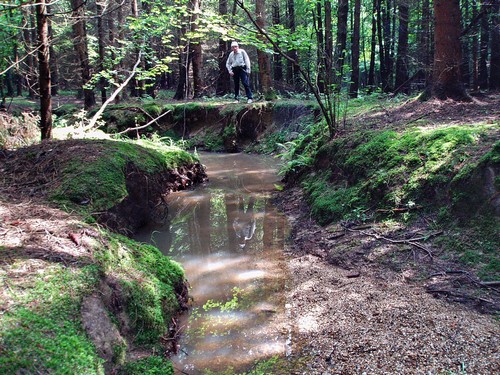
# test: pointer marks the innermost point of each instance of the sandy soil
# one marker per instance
(371, 310)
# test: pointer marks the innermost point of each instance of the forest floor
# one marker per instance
(381, 308)
(361, 303)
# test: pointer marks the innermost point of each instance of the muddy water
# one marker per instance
(229, 238)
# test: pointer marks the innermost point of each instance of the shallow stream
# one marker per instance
(230, 240)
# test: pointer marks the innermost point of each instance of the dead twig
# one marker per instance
(411, 241)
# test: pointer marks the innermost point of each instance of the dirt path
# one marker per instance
(355, 315)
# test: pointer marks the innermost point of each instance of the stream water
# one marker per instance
(230, 240)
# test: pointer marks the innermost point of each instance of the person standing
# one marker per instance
(238, 66)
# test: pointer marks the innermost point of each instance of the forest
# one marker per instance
(113, 50)
(370, 248)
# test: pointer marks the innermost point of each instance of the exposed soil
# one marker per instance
(364, 301)
(359, 303)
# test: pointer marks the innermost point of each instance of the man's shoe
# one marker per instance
(249, 101)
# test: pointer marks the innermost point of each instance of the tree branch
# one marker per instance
(113, 96)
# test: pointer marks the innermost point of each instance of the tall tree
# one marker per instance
(340, 46)
(483, 47)
(292, 71)
(42, 26)
(402, 74)
(495, 48)
(28, 48)
(81, 48)
(223, 85)
(354, 87)
(373, 45)
(262, 56)
(277, 59)
(446, 79)
(196, 54)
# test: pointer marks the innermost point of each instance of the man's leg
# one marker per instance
(246, 84)
(236, 79)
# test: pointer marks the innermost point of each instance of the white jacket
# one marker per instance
(238, 59)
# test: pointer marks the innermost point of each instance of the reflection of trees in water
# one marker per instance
(221, 221)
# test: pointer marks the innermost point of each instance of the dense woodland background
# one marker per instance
(331, 50)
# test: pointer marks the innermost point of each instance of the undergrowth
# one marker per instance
(370, 174)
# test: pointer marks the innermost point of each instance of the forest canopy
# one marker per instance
(325, 49)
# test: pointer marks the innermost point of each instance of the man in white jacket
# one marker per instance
(238, 66)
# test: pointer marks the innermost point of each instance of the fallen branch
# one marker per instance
(113, 96)
(411, 241)
(143, 126)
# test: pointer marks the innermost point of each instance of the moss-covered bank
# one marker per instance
(77, 297)
(448, 174)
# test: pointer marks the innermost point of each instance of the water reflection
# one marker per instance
(229, 239)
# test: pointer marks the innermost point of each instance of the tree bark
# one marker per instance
(447, 81)
(80, 44)
(196, 54)
(292, 72)
(101, 43)
(223, 83)
(340, 47)
(402, 74)
(371, 72)
(277, 60)
(262, 56)
(320, 40)
(30, 76)
(494, 83)
(354, 87)
(483, 48)
(42, 26)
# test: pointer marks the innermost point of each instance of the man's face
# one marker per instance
(235, 49)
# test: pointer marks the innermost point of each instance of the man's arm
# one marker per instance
(229, 63)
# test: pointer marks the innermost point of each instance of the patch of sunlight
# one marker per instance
(307, 323)
(251, 275)
(77, 132)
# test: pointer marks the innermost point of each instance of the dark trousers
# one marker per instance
(241, 74)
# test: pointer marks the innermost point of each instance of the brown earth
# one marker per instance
(376, 299)
(359, 303)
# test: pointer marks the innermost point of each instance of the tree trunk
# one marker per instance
(475, 53)
(483, 49)
(42, 27)
(495, 48)
(292, 72)
(30, 76)
(447, 81)
(277, 60)
(371, 72)
(183, 61)
(262, 56)
(320, 41)
(223, 83)
(102, 45)
(340, 47)
(196, 54)
(381, 49)
(353, 89)
(54, 69)
(465, 67)
(329, 72)
(80, 44)
(402, 58)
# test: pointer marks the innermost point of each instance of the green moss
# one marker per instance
(101, 184)
(153, 365)
(149, 281)
(42, 332)
(391, 169)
